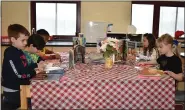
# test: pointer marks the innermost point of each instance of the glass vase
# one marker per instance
(109, 62)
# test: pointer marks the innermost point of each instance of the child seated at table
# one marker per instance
(15, 68)
(35, 44)
(168, 60)
(150, 51)
(45, 35)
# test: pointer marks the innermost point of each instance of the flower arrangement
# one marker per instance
(109, 46)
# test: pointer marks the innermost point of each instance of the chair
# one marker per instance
(131, 47)
(179, 106)
(131, 29)
(25, 97)
(131, 44)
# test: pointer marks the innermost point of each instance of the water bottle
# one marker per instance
(33, 31)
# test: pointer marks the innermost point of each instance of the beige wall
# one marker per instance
(15, 12)
(118, 13)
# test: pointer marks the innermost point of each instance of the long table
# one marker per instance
(94, 87)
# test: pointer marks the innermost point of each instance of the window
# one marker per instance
(166, 17)
(142, 14)
(167, 21)
(46, 20)
(171, 20)
(60, 18)
(180, 19)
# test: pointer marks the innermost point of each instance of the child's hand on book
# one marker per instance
(38, 71)
(170, 73)
(41, 65)
(41, 54)
(57, 56)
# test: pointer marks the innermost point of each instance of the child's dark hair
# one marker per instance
(151, 43)
(43, 33)
(15, 29)
(37, 41)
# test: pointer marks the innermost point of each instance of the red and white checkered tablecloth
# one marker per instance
(93, 87)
